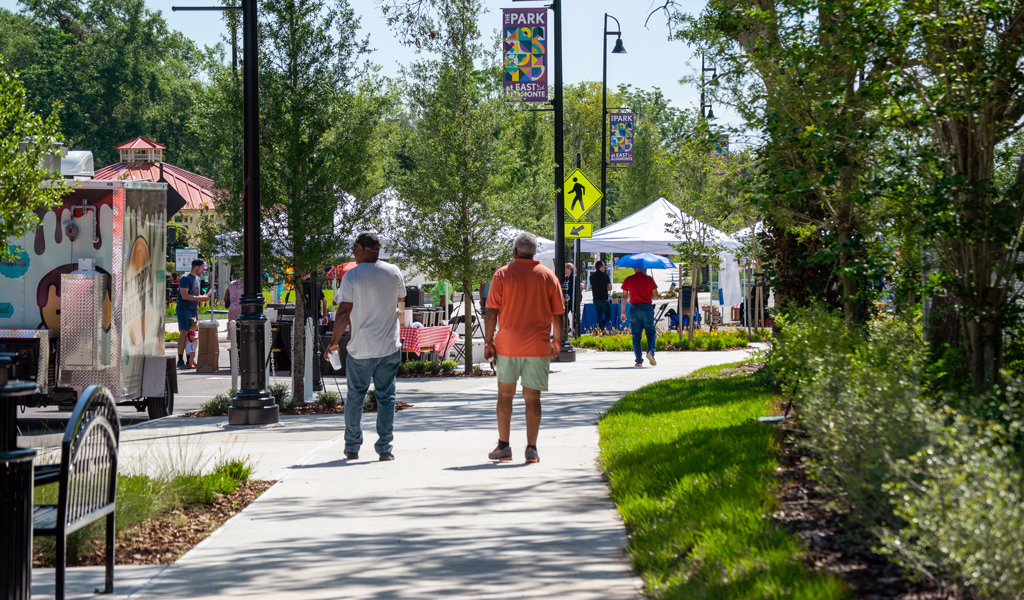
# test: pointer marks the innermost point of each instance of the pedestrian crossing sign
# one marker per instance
(579, 194)
(579, 230)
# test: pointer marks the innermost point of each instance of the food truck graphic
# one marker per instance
(82, 297)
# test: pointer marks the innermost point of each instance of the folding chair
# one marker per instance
(659, 317)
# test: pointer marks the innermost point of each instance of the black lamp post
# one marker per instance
(618, 49)
(253, 404)
(714, 81)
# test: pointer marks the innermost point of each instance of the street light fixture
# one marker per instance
(714, 82)
(618, 49)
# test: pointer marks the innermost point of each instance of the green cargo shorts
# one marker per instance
(532, 369)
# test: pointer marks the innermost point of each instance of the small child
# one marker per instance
(192, 342)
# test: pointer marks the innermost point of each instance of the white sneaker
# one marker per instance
(638, 365)
(650, 359)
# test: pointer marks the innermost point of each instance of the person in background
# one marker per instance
(526, 304)
(315, 299)
(370, 296)
(192, 343)
(601, 286)
(233, 299)
(640, 290)
(189, 297)
(574, 287)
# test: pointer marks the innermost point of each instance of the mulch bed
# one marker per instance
(835, 543)
(161, 541)
(310, 409)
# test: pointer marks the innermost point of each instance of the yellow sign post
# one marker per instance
(579, 230)
(579, 195)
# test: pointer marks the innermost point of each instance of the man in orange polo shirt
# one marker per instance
(526, 301)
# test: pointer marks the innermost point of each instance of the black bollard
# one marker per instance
(16, 472)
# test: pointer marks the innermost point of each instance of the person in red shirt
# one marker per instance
(640, 290)
(526, 302)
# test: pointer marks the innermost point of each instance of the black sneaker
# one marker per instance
(351, 455)
(386, 456)
(501, 454)
(182, 366)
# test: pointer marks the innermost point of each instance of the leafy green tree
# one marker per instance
(455, 214)
(25, 140)
(703, 184)
(321, 114)
(115, 71)
(957, 79)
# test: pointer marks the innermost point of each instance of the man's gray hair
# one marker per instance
(525, 243)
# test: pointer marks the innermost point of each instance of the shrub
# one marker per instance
(859, 397)
(962, 501)
(279, 391)
(477, 371)
(238, 469)
(217, 406)
(328, 400)
(702, 340)
(418, 367)
(404, 368)
(289, 404)
(370, 403)
(171, 336)
(434, 368)
(448, 366)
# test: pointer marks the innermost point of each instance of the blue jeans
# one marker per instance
(641, 319)
(358, 373)
(603, 310)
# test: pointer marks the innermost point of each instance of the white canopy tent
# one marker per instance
(644, 231)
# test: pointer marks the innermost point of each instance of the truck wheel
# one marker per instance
(161, 406)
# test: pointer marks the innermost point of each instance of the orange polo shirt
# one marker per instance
(527, 296)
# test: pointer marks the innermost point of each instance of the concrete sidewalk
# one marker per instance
(439, 521)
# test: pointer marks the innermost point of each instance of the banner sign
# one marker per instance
(525, 49)
(622, 138)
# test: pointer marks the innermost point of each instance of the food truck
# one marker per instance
(82, 297)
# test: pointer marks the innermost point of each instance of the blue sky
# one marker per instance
(651, 59)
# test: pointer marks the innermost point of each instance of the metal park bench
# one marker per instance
(87, 480)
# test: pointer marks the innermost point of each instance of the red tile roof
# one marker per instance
(197, 190)
(140, 143)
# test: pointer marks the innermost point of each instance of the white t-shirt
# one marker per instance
(374, 290)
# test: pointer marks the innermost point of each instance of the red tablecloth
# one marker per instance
(439, 338)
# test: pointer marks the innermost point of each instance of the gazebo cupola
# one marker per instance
(141, 149)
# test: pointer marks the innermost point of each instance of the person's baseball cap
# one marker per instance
(368, 240)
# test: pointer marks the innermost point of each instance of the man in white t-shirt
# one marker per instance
(371, 295)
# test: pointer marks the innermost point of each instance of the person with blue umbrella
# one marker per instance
(640, 290)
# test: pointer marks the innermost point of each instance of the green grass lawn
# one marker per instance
(689, 468)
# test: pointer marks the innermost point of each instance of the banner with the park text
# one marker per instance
(525, 50)
(621, 138)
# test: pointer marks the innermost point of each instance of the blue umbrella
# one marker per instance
(644, 260)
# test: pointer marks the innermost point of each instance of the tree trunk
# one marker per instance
(467, 314)
(693, 301)
(844, 231)
(298, 340)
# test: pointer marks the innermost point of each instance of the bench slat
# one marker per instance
(46, 474)
(44, 519)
